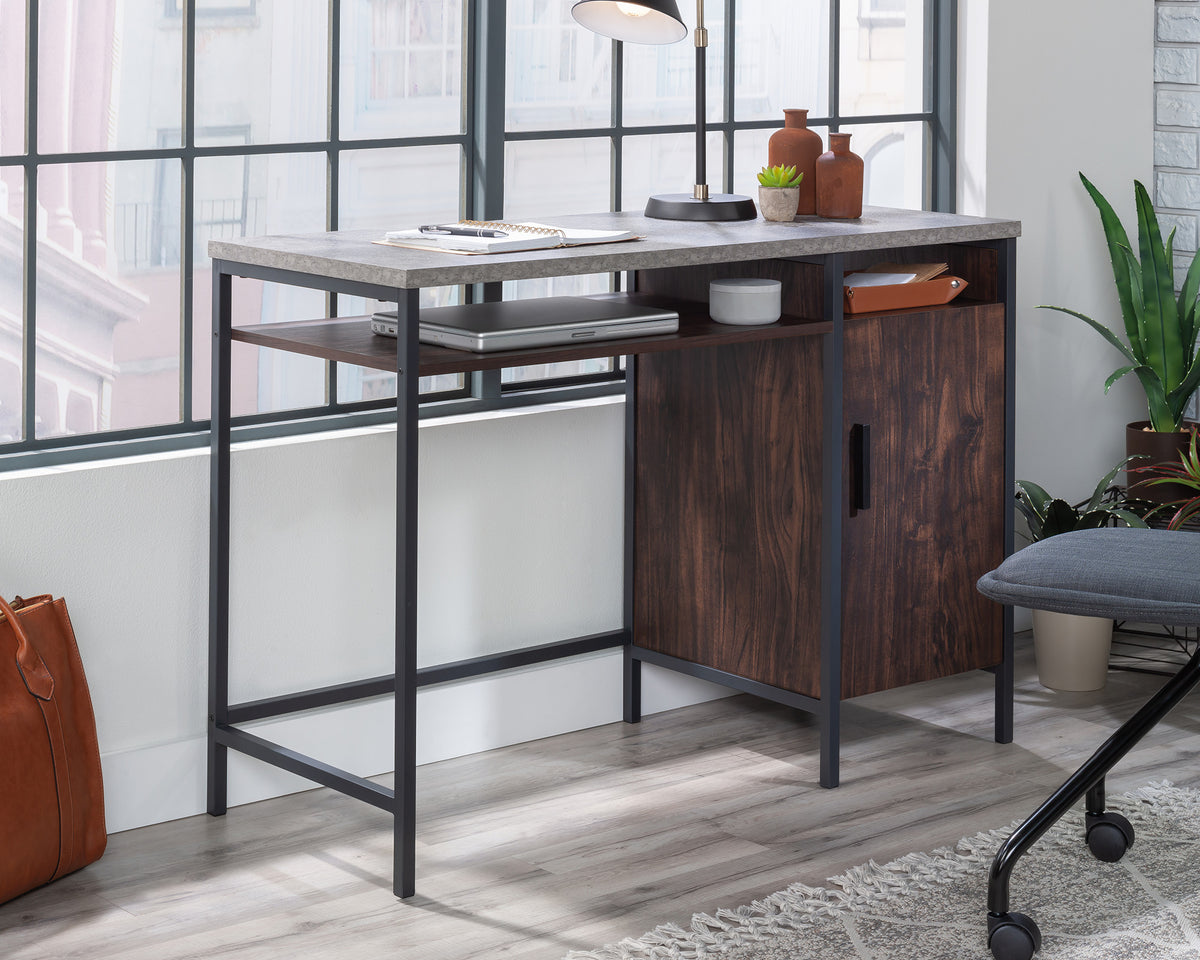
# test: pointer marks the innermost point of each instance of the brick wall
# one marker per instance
(1177, 128)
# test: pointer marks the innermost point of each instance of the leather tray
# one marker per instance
(902, 296)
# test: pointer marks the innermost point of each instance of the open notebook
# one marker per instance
(517, 237)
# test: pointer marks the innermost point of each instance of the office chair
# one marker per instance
(1144, 576)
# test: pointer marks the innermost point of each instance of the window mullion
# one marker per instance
(29, 279)
(187, 233)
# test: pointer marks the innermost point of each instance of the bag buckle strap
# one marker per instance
(34, 673)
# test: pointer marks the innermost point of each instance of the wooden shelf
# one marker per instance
(350, 340)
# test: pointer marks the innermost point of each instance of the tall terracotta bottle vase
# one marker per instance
(839, 180)
(796, 145)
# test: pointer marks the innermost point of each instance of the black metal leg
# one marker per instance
(1006, 252)
(218, 550)
(1095, 797)
(632, 669)
(404, 834)
(1004, 684)
(632, 687)
(1089, 778)
(831, 526)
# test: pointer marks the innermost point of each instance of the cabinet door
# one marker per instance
(930, 388)
(728, 519)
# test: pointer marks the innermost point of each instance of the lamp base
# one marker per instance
(683, 206)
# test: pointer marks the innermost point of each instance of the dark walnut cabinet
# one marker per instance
(728, 533)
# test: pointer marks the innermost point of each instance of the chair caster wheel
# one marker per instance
(1109, 835)
(1013, 936)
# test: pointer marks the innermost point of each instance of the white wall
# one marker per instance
(1048, 90)
(520, 543)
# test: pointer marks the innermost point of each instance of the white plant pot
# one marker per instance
(778, 203)
(1071, 651)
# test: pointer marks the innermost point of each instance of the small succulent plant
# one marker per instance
(780, 177)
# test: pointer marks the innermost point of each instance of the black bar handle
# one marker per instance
(860, 470)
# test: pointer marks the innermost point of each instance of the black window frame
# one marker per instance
(483, 140)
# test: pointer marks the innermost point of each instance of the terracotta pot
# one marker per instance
(1160, 447)
(778, 203)
(796, 145)
(839, 180)
(1071, 651)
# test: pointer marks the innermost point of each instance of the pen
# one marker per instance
(453, 230)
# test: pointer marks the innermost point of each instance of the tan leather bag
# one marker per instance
(51, 792)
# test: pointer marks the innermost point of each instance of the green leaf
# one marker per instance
(1099, 328)
(1160, 320)
(1060, 517)
(1177, 399)
(1115, 234)
(1115, 376)
(1107, 480)
(1187, 304)
(1137, 339)
(1037, 497)
(1129, 518)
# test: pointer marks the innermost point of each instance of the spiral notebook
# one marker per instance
(517, 237)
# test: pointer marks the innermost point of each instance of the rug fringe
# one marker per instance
(861, 886)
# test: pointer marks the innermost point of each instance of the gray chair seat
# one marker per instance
(1149, 576)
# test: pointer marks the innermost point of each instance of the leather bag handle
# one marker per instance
(38, 679)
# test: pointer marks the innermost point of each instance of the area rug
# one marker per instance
(933, 906)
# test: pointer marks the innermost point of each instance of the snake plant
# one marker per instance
(1047, 516)
(1160, 330)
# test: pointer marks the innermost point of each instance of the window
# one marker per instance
(157, 130)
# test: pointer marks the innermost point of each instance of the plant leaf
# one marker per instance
(1161, 416)
(1107, 480)
(1129, 518)
(1162, 350)
(1100, 329)
(1115, 376)
(1060, 517)
(1115, 234)
(1187, 304)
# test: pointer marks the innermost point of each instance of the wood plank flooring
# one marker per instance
(580, 840)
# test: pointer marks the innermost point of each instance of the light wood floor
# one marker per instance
(580, 840)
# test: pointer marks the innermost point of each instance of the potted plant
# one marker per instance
(1160, 331)
(779, 192)
(1072, 650)
(1183, 474)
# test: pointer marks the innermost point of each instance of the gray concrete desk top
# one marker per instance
(350, 255)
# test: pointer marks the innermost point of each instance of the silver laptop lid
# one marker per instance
(509, 318)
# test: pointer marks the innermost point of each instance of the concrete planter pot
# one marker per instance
(1071, 651)
(778, 203)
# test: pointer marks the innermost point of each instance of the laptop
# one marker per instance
(513, 324)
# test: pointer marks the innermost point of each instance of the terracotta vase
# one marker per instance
(1158, 447)
(796, 145)
(839, 180)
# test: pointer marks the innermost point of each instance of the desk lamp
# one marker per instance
(658, 21)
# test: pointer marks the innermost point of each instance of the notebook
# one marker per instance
(512, 324)
(517, 237)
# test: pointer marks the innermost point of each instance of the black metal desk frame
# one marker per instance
(224, 718)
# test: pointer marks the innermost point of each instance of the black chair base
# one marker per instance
(1015, 936)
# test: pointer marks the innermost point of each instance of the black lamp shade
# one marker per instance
(637, 21)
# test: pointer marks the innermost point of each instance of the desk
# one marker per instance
(808, 504)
